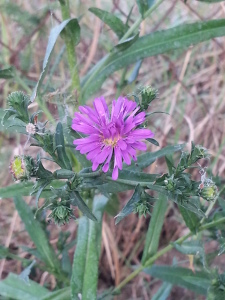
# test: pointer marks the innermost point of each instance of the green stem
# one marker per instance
(70, 48)
(151, 260)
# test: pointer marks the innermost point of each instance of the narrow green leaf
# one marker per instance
(153, 141)
(129, 207)
(170, 163)
(155, 227)
(197, 282)
(73, 30)
(44, 184)
(37, 235)
(126, 175)
(163, 292)
(78, 201)
(79, 261)
(85, 264)
(146, 159)
(135, 72)
(7, 73)
(17, 289)
(111, 20)
(63, 294)
(126, 43)
(54, 34)
(60, 147)
(159, 42)
(192, 248)
(16, 189)
(191, 219)
(26, 189)
(26, 272)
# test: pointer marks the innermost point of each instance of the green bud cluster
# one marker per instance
(217, 289)
(61, 212)
(188, 159)
(142, 207)
(170, 183)
(18, 106)
(148, 94)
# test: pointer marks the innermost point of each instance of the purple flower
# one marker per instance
(112, 136)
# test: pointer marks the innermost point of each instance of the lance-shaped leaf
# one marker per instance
(192, 248)
(60, 148)
(159, 42)
(127, 180)
(126, 43)
(7, 73)
(63, 294)
(14, 287)
(163, 292)
(146, 159)
(79, 202)
(155, 227)
(37, 235)
(191, 219)
(197, 282)
(85, 264)
(153, 141)
(111, 20)
(129, 207)
(54, 34)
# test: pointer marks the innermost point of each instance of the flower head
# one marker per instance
(112, 136)
(22, 167)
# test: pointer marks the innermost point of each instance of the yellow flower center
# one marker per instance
(110, 142)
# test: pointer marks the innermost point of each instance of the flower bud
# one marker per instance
(148, 94)
(170, 184)
(142, 207)
(208, 190)
(18, 103)
(198, 152)
(22, 167)
(61, 212)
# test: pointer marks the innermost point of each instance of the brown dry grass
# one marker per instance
(191, 88)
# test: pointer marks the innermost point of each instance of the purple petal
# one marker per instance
(95, 166)
(115, 173)
(86, 129)
(93, 153)
(86, 148)
(103, 155)
(142, 133)
(86, 140)
(106, 165)
(122, 144)
(126, 157)
(140, 146)
(118, 158)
